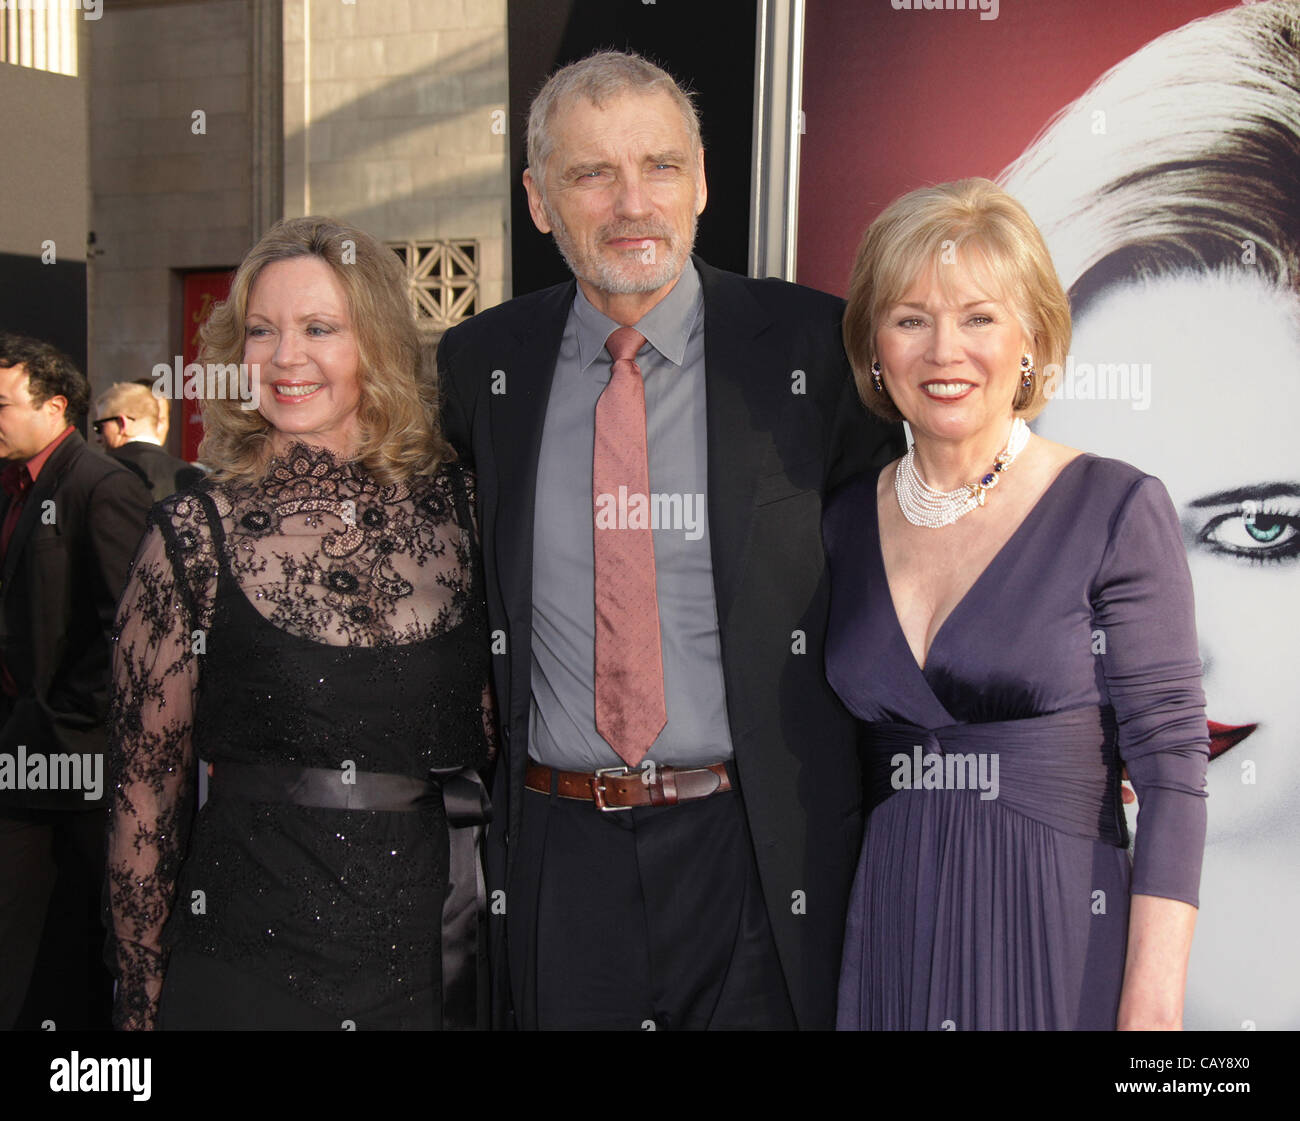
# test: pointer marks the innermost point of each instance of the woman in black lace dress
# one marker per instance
(308, 622)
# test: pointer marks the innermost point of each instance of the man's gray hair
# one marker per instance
(598, 78)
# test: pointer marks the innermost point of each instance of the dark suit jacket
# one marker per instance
(62, 576)
(784, 427)
(162, 473)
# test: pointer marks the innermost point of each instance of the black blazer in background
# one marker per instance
(59, 587)
(785, 426)
(162, 473)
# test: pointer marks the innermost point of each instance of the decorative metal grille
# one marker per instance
(443, 280)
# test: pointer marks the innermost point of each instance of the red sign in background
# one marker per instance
(203, 291)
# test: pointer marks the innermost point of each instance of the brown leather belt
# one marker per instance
(621, 788)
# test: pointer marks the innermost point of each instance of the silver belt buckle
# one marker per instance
(598, 787)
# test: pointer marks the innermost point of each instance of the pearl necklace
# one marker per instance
(924, 506)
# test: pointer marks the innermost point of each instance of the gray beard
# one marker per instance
(607, 276)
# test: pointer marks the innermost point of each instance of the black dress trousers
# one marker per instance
(644, 919)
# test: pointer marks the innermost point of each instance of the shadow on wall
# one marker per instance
(374, 129)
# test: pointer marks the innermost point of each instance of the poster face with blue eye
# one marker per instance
(1160, 163)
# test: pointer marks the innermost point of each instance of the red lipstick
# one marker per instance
(1224, 736)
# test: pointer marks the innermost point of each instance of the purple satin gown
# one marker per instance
(998, 898)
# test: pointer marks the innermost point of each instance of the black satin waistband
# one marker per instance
(1061, 769)
(467, 808)
(327, 788)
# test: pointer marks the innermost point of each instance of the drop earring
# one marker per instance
(877, 381)
(1026, 371)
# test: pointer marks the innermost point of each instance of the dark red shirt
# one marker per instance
(17, 480)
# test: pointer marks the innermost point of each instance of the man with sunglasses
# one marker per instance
(132, 427)
(107, 422)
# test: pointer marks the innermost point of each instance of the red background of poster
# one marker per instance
(202, 291)
(897, 99)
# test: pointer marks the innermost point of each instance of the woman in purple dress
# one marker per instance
(1012, 619)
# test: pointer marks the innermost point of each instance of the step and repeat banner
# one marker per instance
(1157, 146)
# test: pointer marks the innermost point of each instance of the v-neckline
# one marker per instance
(993, 562)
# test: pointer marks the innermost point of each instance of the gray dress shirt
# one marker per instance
(562, 723)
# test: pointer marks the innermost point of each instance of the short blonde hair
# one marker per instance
(129, 398)
(977, 223)
(397, 417)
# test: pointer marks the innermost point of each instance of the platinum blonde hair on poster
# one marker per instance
(1183, 157)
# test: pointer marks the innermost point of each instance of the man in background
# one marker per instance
(70, 521)
(132, 424)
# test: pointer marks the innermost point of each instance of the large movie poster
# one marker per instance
(1157, 146)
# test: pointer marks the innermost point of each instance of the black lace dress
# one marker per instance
(314, 625)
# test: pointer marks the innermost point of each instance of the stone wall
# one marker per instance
(164, 196)
(399, 131)
(401, 128)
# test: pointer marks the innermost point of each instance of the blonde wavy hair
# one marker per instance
(979, 224)
(399, 435)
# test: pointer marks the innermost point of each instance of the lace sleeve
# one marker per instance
(488, 706)
(155, 674)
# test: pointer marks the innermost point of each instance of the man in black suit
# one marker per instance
(677, 802)
(132, 424)
(70, 521)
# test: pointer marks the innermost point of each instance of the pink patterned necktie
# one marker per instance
(630, 708)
